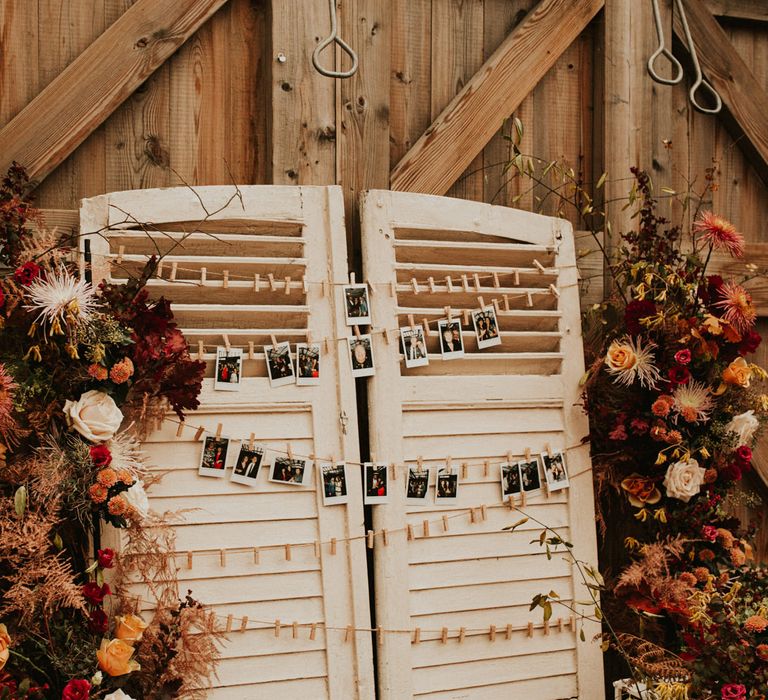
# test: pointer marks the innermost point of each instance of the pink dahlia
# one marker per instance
(719, 233)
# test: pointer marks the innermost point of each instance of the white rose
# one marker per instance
(97, 678)
(744, 425)
(684, 479)
(136, 497)
(94, 415)
(118, 695)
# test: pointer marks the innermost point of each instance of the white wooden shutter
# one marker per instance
(519, 395)
(295, 232)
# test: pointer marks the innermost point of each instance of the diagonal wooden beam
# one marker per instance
(466, 125)
(71, 107)
(745, 101)
(752, 10)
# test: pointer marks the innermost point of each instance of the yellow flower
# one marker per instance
(5, 643)
(738, 373)
(115, 657)
(129, 628)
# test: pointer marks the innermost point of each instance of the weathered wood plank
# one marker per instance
(752, 10)
(744, 99)
(75, 103)
(19, 56)
(475, 114)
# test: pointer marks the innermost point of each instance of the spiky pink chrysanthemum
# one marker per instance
(737, 305)
(719, 233)
(692, 401)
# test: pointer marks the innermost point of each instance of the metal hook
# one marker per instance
(333, 37)
(663, 51)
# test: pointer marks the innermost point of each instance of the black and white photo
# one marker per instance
(357, 306)
(279, 364)
(290, 470)
(451, 341)
(447, 484)
(530, 475)
(417, 485)
(335, 485)
(307, 364)
(486, 327)
(510, 479)
(375, 483)
(555, 471)
(414, 346)
(361, 356)
(213, 460)
(249, 464)
(229, 369)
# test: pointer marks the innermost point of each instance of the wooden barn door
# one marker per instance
(244, 266)
(461, 584)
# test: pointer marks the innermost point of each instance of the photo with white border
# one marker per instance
(417, 485)
(357, 306)
(555, 471)
(290, 470)
(414, 346)
(279, 364)
(213, 458)
(249, 464)
(451, 340)
(229, 369)
(530, 475)
(486, 327)
(375, 483)
(361, 356)
(334, 483)
(509, 473)
(307, 364)
(446, 484)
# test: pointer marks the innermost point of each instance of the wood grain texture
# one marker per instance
(744, 99)
(79, 99)
(475, 114)
(751, 10)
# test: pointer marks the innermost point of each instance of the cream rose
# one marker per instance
(118, 695)
(684, 479)
(620, 356)
(136, 497)
(94, 415)
(744, 425)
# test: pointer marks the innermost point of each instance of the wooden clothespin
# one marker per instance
(462, 633)
(189, 560)
(316, 549)
(333, 545)
(539, 266)
(506, 302)
(445, 523)
(356, 330)
(226, 342)
(527, 454)
(496, 306)
(348, 634)
(528, 300)
(412, 322)
(250, 349)
(223, 557)
(277, 628)
(517, 278)
(425, 323)
(287, 552)
(200, 350)
(523, 500)
(295, 629)
(219, 428)
(203, 276)
(393, 289)
(472, 515)
(448, 313)
(324, 288)
(508, 633)
(229, 622)
(159, 270)
(387, 339)
(481, 302)
(313, 631)
(256, 281)
(225, 279)
(444, 635)
(486, 467)
(559, 624)
(465, 320)
(384, 537)
(251, 441)
(369, 539)
(464, 283)
(496, 283)
(415, 285)
(492, 633)
(288, 450)
(120, 253)
(511, 501)
(476, 278)
(484, 512)
(554, 291)
(304, 284)
(351, 277)
(425, 527)
(409, 532)
(416, 638)
(546, 627)
(530, 629)
(548, 449)
(180, 429)
(272, 285)
(256, 555)
(431, 284)
(327, 345)
(464, 469)
(273, 340)
(393, 471)
(244, 623)
(174, 269)
(199, 433)
(371, 287)
(572, 623)
(449, 283)
(288, 286)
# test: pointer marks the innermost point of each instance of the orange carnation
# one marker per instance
(107, 477)
(125, 477)
(756, 623)
(97, 371)
(118, 506)
(115, 657)
(121, 371)
(98, 493)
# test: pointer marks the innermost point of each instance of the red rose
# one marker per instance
(106, 558)
(679, 375)
(94, 593)
(76, 689)
(98, 622)
(27, 273)
(683, 357)
(744, 456)
(635, 311)
(750, 342)
(101, 456)
(732, 472)
(709, 533)
(733, 691)
(2, 298)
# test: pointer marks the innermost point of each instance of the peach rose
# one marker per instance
(129, 628)
(115, 657)
(94, 415)
(5, 643)
(738, 373)
(620, 356)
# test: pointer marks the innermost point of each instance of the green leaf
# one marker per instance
(598, 612)
(510, 528)
(20, 500)
(582, 636)
(518, 128)
(554, 595)
(547, 611)
(601, 181)
(58, 542)
(549, 553)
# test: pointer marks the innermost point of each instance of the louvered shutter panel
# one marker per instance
(295, 232)
(521, 394)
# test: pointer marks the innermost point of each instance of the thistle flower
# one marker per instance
(628, 360)
(719, 233)
(60, 297)
(737, 305)
(692, 401)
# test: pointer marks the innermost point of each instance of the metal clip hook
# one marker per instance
(345, 47)
(662, 50)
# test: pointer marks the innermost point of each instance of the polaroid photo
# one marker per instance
(451, 342)
(510, 479)
(447, 484)
(486, 327)
(417, 485)
(414, 346)
(555, 471)
(375, 483)
(361, 356)
(357, 306)
(290, 470)
(229, 369)
(250, 463)
(213, 460)
(307, 364)
(530, 475)
(335, 484)
(279, 364)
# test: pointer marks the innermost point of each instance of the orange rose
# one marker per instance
(738, 373)
(620, 356)
(641, 491)
(129, 628)
(5, 642)
(115, 657)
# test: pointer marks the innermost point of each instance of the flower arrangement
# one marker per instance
(675, 404)
(75, 361)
